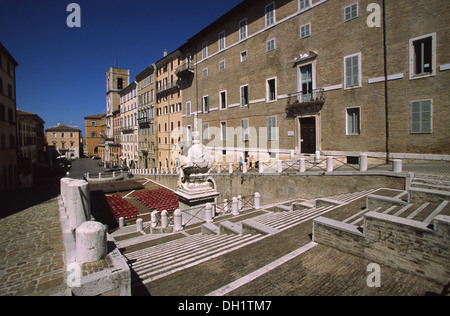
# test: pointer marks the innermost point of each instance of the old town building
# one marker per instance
(66, 140)
(31, 143)
(129, 126)
(169, 110)
(94, 133)
(8, 132)
(147, 134)
(272, 78)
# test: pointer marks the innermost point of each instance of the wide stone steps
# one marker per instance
(159, 261)
(285, 220)
(420, 212)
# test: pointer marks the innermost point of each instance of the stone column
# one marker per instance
(329, 164)
(164, 219)
(235, 207)
(257, 203)
(398, 165)
(139, 225)
(208, 213)
(302, 167)
(79, 204)
(91, 243)
(177, 220)
(363, 162)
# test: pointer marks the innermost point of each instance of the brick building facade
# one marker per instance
(271, 77)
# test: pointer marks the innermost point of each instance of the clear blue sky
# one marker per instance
(62, 71)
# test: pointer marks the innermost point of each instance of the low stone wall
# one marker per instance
(281, 187)
(400, 243)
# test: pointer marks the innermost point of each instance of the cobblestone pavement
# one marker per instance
(32, 251)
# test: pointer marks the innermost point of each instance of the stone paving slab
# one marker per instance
(32, 252)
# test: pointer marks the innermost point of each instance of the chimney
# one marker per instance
(165, 53)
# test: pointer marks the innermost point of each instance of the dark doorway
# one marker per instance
(308, 135)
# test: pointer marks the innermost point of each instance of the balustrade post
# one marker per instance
(139, 225)
(208, 213)
(363, 162)
(164, 219)
(329, 164)
(397, 165)
(177, 220)
(302, 163)
(257, 202)
(235, 207)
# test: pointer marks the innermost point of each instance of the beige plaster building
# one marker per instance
(169, 110)
(146, 119)
(67, 141)
(94, 132)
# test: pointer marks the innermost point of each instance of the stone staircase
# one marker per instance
(152, 263)
(408, 231)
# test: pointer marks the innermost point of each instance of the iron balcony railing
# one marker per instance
(301, 97)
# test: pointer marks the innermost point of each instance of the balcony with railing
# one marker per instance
(168, 88)
(186, 69)
(301, 103)
(144, 121)
(127, 129)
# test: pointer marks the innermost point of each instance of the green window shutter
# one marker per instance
(421, 117)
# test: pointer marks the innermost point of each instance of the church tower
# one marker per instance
(116, 80)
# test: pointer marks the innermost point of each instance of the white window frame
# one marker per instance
(205, 73)
(205, 50)
(222, 44)
(306, 4)
(303, 30)
(241, 95)
(188, 108)
(270, 17)
(220, 100)
(350, 8)
(242, 56)
(412, 74)
(243, 28)
(245, 130)
(272, 129)
(268, 100)
(271, 49)
(205, 131)
(222, 62)
(421, 131)
(347, 131)
(359, 71)
(223, 125)
(204, 110)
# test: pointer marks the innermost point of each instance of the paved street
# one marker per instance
(85, 165)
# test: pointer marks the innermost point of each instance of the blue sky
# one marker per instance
(62, 71)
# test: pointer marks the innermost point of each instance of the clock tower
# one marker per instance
(116, 80)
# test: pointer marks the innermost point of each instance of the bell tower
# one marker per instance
(116, 80)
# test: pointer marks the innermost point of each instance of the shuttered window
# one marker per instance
(272, 128)
(245, 130)
(353, 121)
(421, 117)
(352, 71)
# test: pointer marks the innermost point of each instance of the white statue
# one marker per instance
(195, 168)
